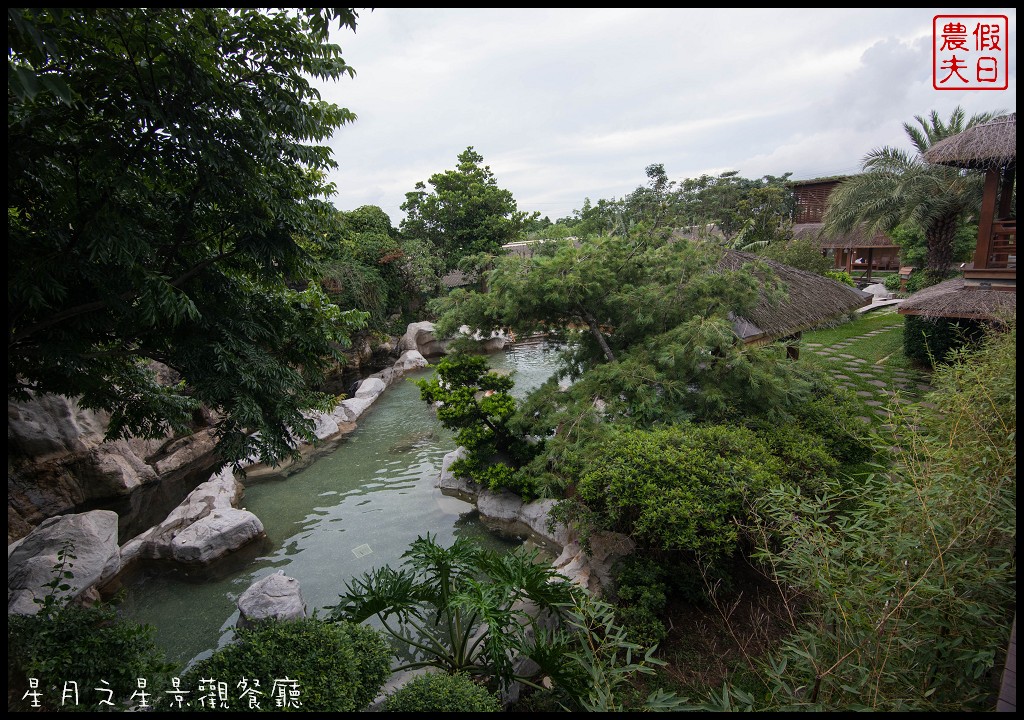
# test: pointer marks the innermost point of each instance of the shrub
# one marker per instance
(929, 341)
(830, 415)
(641, 591)
(798, 253)
(441, 692)
(338, 667)
(893, 283)
(681, 487)
(840, 276)
(807, 460)
(86, 645)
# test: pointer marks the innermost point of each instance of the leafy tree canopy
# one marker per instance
(165, 188)
(366, 265)
(742, 212)
(464, 213)
(650, 342)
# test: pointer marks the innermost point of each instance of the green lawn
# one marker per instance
(865, 356)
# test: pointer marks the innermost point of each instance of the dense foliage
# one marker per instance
(165, 189)
(465, 212)
(89, 646)
(441, 692)
(680, 488)
(462, 608)
(338, 667)
(906, 584)
(368, 265)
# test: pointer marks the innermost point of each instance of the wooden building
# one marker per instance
(856, 251)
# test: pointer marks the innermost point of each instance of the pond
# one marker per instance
(348, 511)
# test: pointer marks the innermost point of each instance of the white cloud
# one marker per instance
(566, 104)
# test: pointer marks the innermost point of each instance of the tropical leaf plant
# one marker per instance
(462, 608)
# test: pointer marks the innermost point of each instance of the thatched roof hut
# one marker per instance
(949, 299)
(857, 238)
(988, 145)
(812, 300)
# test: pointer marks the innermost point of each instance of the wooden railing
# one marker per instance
(1003, 246)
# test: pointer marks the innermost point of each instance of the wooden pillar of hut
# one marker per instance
(793, 346)
(988, 213)
(871, 259)
(1006, 192)
(849, 260)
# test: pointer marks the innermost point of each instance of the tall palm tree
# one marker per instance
(899, 187)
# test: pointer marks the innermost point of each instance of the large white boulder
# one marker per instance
(203, 528)
(275, 597)
(410, 360)
(370, 388)
(353, 408)
(32, 562)
(419, 336)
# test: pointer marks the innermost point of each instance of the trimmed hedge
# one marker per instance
(931, 341)
(339, 667)
(441, 692)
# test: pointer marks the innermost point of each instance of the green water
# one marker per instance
(350, 510)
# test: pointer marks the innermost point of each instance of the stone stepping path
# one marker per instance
(880, 389)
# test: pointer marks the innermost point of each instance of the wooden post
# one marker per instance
(793, 347)
(871, 256)
(985, 218)
(1006, 192)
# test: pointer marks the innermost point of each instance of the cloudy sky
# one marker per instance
(566, 104)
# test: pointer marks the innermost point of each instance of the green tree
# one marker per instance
(464, 213)
(368, 266)
(165, 191)
(476, 403)
(897, 187)
(648, 340)
(736, 208)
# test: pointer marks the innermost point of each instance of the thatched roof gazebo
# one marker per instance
(989, 145)
(812, 300)
(992, 147)
(950, 299)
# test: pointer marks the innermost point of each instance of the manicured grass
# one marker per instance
(866, 356)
